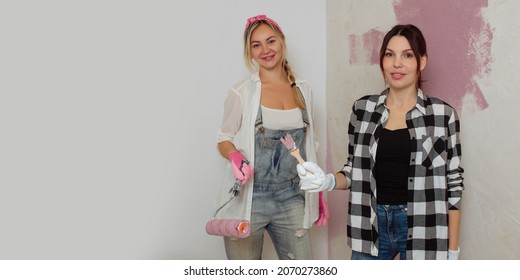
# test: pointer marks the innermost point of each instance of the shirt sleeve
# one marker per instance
(232, 119)
(347, 168)
(454, 170)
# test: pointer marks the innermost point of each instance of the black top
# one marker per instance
(392, 166)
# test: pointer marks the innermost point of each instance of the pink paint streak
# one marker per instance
(337, 222)
(365, 48)
(459, 46)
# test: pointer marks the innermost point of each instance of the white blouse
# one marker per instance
(238, 127)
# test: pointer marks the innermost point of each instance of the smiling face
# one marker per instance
(400, 65)
(266, 47)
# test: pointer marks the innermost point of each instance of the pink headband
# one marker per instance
(252, 20)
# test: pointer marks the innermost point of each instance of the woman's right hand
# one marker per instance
(313, 179)
(241, 169)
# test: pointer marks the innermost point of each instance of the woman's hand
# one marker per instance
(313, 179)
(241, 169)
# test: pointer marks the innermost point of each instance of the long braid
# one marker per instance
(300, 101)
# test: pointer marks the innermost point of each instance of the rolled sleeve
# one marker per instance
(347, 168)
(455, 180)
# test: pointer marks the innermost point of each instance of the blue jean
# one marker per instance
(393, 230)
(277, 209)
(278, 204)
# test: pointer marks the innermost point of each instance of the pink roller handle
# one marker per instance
(228, 228)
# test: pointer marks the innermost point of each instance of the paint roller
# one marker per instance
(229, 227)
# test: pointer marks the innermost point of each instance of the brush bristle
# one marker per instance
(288, 141)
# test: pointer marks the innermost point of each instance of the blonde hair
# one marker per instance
(300, 101)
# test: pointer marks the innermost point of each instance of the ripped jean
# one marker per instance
(278, 204)
(279, 211)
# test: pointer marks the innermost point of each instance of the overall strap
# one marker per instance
(305, 117)
(259, 121)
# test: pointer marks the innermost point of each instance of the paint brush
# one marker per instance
(289, 143)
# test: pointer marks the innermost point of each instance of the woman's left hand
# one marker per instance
(313, 179)
(453, 254)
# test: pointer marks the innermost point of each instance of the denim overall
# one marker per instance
(278, 203)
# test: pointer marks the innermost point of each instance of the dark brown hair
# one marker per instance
(415, 39)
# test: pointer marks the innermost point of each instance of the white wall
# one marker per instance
(109, 110)
(108, 117)
(491, 226)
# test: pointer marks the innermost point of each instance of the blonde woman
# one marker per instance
(258, 111)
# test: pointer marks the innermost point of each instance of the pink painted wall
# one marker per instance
(459, 46)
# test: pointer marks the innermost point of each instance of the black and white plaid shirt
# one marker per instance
(435, 180)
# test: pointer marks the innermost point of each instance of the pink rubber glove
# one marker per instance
(324, 211)
(241, 169)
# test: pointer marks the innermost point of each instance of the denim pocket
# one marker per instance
(268, 142)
